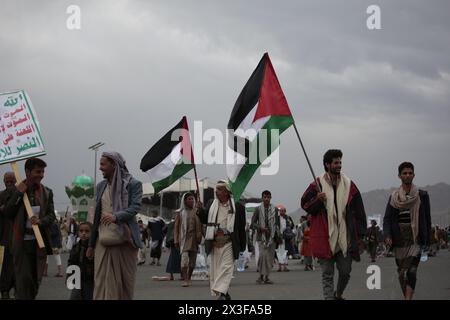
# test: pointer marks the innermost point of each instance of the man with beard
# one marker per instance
(338, 223)
(115, 237)
(225, 237)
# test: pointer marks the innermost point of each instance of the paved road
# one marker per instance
(433, 283)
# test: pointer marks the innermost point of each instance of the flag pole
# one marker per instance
(193, 161)
(161, 197)
(196, 182)
(307, 159)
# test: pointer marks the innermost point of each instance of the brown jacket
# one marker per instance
(177, 229)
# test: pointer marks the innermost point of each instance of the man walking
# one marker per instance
(225, 238)
(265, 221)
(407, 227)
(115, 237)
(29, 259)
(338, 223)
(7, 267)
(157, 231)
(188, 236)
(286, 229)
(372, 240)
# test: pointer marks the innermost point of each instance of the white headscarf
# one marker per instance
(183, 219)
(214, 210)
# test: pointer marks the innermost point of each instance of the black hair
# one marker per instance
(32, 163)
(405, 165)
(85, 223)
(330, 155)
(266, 192)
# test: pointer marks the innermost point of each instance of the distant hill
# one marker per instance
(375, 203)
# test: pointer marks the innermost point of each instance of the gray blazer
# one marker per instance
(126, 216)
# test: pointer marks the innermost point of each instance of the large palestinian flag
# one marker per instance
(261, 105)
(169, 160)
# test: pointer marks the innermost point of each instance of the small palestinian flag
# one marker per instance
(168, 160)
(261, 105)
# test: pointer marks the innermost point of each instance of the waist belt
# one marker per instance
(212, 224)
(220, 241)
(29, 232)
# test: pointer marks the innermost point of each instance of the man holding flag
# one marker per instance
(338, 223)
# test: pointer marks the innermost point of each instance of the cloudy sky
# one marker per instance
(136, 67)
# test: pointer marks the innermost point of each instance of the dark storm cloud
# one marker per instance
(136, 67)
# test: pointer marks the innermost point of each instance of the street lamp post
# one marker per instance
(95, 147)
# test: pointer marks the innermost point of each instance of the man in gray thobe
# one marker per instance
(264, 221)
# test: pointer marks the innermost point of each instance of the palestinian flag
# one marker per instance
(261, 105)
(168, 160)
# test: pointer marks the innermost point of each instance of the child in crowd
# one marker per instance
(78, 258)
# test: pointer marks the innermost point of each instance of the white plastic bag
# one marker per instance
(71, 241)
(240, 262)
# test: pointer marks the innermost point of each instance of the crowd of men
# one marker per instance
(333, 232)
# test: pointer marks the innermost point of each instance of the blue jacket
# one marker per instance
(126, 216)
(391, 228)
